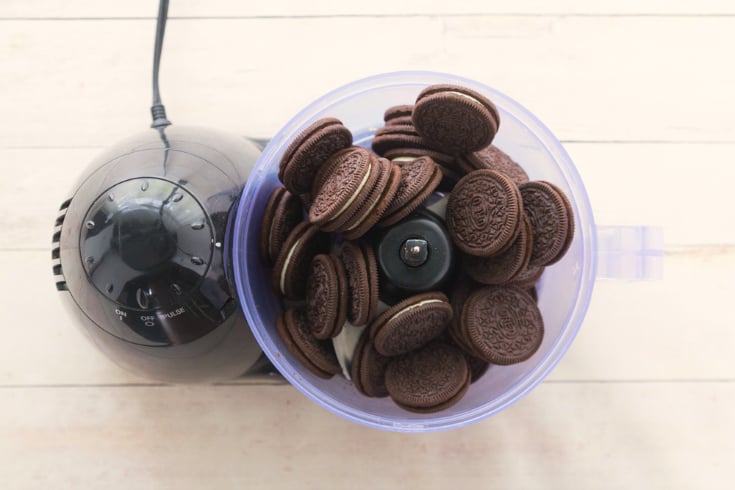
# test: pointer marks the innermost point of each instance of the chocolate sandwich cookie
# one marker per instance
(455, 119)
(326, 296)
(450, 177)
(400, 121)
(533, 293)
(419, 178)
(356, 360)
(372, 371)
(316, 355)
(550, 221)
(478, 367)
(341, 187)
(462, 289)
(408, 154)
(503, 324)
(375, 205)
(282, 213)
(398, 114)
(293, 262)
(493, 158)
(528, 276)
(429, 379)
(484, 213)
(570, 219)
(368, 368)
(398, 136)
(309, 150)
(305, 200)
(373, 278)
(503, 267)
(362, 281)
(411, 323)
(445, 163)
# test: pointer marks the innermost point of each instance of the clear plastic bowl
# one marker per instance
(564, 290)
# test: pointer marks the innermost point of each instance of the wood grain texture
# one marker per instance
(628, 184)
(563, 436)
(591, 79)
(639, 92)
(66, 9)
(634, 331)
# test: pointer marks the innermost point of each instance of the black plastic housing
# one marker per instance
(141, 255)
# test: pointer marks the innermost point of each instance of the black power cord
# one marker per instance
(157, 110)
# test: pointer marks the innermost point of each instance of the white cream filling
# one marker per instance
(354, 194)
(413, 307)
(403, 159)
(285, 266)
(366, 214)
(270, 237)
(466, 96)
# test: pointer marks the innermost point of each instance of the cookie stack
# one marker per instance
(425, 349)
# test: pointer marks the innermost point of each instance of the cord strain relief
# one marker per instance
(159, 116)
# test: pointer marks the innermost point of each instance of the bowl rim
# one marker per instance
(583, 217)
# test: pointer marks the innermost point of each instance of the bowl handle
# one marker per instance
(630, 252)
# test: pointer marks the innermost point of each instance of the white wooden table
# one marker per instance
(641, 92)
